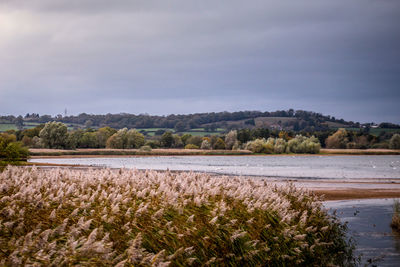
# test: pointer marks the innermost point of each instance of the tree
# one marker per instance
(260, 146)
(19, 122)
(230, 139)
(195, 140)
(27, 141)
(103, 134)
(36, 142)
(134, 139)
(185, 137)
(159, 132)
(33, 131)
(250, 122)
(180, 126)
(302, 144)
(88, 124)
(280, 146)
(338, 140)
(126, 139)
(167, 139)
(205, 144)
(54, 135)
(115, 141)
(177, 141)
(219, 144)
(88, 140)
(394, 142)
(74, 139)
(10, 150)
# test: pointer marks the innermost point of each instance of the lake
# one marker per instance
(287, 166)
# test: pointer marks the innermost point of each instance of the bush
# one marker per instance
(299, 144)
(11, 151)
(280, 146)
(205, 144)
(191, 146)
(195, 140)
(219, 144)
(302, 144)
(185, 138)
(381, 145)
(37, 142)
(261, 146)
(145, 148)
(257, 146)
(167, 140)
(153, 144)
(394, 142)
(177, 141)
(236, 145)
(230, 139)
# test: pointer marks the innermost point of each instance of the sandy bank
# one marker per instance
(351, 193)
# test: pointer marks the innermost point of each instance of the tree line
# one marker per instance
(259, 140)
(303, 120)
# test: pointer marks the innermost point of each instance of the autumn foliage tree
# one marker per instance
(338, 140)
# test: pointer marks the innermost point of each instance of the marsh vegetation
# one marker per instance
(123, 217)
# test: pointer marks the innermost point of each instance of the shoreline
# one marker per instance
(102, 152)
(353, 194)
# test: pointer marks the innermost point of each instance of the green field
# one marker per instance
(152, 131)
(155, 129)
(194, 132)
(203, 130)
(7, 126)
(11, 126)
(200, 133)
(31, 123)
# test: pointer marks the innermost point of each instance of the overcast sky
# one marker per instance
(339, 58)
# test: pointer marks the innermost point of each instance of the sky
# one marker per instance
(339, 58)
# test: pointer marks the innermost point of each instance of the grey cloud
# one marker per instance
(183, 56)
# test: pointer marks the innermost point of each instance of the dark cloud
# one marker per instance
(160, 57)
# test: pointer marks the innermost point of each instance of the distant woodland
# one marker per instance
(282, 119)
(261, 132)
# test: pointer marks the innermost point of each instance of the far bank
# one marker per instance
(38, 152)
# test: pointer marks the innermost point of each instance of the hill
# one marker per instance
(209, 122)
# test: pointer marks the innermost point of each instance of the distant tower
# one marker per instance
(65, 112)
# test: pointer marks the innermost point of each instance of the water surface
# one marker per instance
(369, 224)
(323, 167)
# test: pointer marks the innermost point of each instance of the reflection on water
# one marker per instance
(369, 224)
(335, 167)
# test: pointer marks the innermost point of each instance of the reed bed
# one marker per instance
(103, 217)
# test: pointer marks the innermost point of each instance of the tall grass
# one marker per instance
(395, 224)
(104, 217)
